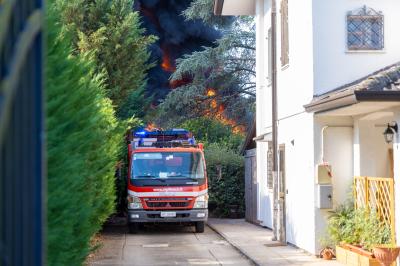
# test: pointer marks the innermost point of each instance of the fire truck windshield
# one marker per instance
(167, 165)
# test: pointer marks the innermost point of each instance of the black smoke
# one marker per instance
(177, 37)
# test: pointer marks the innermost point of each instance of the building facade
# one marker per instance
(338, 88)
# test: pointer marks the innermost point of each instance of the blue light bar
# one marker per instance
(175, 135)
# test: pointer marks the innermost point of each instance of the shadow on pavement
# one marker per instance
(148, 229)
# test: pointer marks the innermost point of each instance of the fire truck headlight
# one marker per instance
(134, 202)
(201, 202)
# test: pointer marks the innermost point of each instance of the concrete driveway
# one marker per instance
(165, 245)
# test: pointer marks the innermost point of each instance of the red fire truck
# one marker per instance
(167, 179)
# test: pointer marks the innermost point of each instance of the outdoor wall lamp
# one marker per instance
(390, 131)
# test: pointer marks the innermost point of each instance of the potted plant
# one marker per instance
(327, 253)
(355, 233)
(386, 254)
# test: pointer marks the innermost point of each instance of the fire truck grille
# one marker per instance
(168, 203)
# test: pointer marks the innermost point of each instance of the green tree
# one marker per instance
(227, 68)
(83, 137)
(111, 31)
(209, 131)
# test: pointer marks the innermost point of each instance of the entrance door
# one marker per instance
(282, 194)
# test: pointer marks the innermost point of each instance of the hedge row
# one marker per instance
(82, 145)
(225, 169)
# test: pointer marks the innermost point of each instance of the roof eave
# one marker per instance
(377, 96)
(352, 98)
(331, 103)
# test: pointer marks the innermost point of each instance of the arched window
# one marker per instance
(365, 29)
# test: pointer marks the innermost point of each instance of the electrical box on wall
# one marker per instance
(324, 197)
(323, 174)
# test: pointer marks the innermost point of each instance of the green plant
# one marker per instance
(208, 130)
(341, 227)
(372, 230)
(361, 226)
(82, 146)
(225, 170)
(111, 31)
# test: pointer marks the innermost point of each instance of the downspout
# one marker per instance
(277, 227)
(322, 143)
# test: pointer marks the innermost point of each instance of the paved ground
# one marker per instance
(165, 245)
(256, 243)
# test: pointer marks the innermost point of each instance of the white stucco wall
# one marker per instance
(317, 46)
(295, 81)
(295, 88)
(338, 152)
(263, 111)
(333, 65)
(370, 149)
(297, 134)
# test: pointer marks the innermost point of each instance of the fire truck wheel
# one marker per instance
(199, 227)
(133, 228)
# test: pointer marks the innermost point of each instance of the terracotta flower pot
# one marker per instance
(386, 255)
(327, 254)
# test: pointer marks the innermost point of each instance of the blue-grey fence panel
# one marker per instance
(22, 182)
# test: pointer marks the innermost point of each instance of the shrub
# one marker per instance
(82, 145)
(225, 169)
(350, 226)
(209, 130)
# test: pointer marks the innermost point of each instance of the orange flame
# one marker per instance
(214, 104)
(166, 63)
(211, 92)
(151, 126)
(217, 112)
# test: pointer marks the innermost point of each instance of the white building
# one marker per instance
(336, 89)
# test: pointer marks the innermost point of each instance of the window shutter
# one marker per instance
(284, 33)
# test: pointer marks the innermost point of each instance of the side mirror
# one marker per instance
(201, 146)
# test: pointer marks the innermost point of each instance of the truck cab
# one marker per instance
(167, 179)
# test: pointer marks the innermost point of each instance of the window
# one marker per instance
(364, 29)
(270, 161)
(284, 33)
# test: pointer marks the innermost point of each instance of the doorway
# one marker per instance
(282, 193)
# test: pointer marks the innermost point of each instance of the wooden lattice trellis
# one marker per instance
(376, 193)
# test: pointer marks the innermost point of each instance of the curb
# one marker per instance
(239, 249)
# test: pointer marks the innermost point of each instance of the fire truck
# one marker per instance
(167, 179)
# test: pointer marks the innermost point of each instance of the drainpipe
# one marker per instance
(322, 143)
(277, 226)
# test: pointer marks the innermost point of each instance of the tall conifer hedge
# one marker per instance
(83, 139)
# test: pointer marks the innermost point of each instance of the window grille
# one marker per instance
(284, 33)
(365, 29)
(270, 161)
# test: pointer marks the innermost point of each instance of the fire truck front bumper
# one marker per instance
(171, 216)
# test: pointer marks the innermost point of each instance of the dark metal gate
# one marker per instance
(22, 213)
(251, 186)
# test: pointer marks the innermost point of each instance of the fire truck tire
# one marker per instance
(199, 227)
(133, 228)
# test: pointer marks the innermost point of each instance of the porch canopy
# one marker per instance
(234, 7)
(377, 91)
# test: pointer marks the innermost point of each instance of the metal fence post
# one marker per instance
(22, 178)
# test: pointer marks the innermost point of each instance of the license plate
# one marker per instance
(168, 214)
